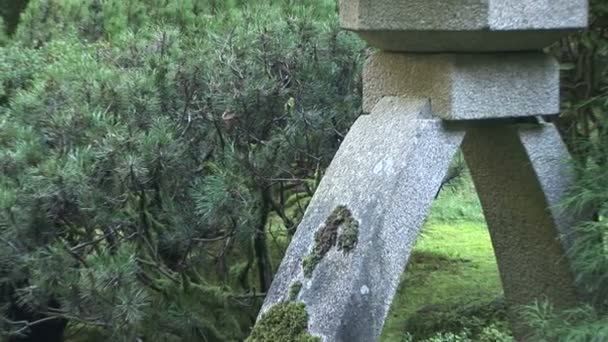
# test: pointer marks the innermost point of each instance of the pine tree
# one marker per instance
(149, 151)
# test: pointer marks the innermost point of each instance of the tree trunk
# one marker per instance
(49, 331)
(11, 13)
(260, 245)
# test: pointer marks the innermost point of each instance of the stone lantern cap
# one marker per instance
(462, 25)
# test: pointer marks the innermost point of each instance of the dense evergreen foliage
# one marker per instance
(146, 148)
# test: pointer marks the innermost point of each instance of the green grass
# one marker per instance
(451, 263)
(457, 203)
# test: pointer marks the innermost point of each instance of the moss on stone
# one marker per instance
(331, 235)
(283, 322)
(294, 290)
(310, 263)
(349, 236)
(327, 236)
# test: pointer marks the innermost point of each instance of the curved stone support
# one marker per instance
(385, 175)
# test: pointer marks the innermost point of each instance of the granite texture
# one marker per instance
(516, 187)
(551, 161)
(537, 14)
(466, 86)
(386, 174)
(463, 25)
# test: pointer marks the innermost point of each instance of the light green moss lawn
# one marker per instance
(450, 263)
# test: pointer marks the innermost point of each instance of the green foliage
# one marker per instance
(583, 324)
(283, 322)
(457, 202)
(492, 333)
(444, 272)
(457, 199)
(584, 63)
(92, 20)
(471, 321)
(145, 146)
(10, 11)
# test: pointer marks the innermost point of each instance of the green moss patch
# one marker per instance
(294, 290)
(452, 264)
(341, 229)
(310, 263)
(283, 322)
(349, 237)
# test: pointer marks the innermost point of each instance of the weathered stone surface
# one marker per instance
(463, 25)
(386, 174)
(550, 160)
(464, 86)
(511, 178)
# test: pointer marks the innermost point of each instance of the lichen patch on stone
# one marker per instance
(283, 322)
(341, 229)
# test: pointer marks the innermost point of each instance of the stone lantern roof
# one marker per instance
(463, 25)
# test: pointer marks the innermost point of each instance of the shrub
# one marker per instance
(143, 160)
(460, 322)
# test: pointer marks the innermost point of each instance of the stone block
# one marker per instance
(466, 86)
(462, 25)
(386, 175)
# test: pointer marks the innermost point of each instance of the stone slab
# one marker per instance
(516, 193)
(464, 86)
(463, 25)
(386, 173)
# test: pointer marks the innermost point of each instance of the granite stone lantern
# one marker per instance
(449, 74)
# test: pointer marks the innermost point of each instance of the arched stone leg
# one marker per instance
(519, 175)
(381, 183)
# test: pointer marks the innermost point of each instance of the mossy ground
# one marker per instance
(451, 264)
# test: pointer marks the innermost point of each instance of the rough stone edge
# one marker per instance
(552, 163)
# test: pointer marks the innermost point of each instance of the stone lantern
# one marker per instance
(449, 74)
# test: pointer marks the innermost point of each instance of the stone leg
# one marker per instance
(549, 157)
(518, 172)
(382, 182)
